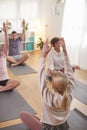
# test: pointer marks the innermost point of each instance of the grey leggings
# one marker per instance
(64, 126)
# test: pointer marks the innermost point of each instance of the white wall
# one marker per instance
(50, 18)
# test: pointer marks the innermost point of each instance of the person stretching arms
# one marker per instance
(6, 84)
(55, 104)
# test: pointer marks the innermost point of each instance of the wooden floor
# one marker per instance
(29, 88)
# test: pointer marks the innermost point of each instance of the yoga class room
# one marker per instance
(43, 65)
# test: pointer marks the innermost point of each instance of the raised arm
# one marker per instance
(50, 61)
(46, 95)
(6, 38)
(41, 74)
(23, 30)
(68, 68)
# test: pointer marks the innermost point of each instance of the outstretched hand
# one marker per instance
(45, 49)
(23, 23)
(4, 27)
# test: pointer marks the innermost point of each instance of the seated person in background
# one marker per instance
(55, 104)
(6, 84)
(14, 57)
(56, 57)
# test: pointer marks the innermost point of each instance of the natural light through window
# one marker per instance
(17, 10)
(29, 9)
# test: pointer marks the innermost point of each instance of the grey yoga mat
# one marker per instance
(76, 121)
(20, 126)
(21, 69)
(12, 104)
(80, 91)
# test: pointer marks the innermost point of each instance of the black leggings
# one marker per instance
(4, 82)
(64, 126)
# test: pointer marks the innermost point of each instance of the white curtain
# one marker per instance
(17, 10)
(75, 31)
(29, 9)
(7, 9)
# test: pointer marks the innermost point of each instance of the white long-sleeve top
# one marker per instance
(51, 114)
(55, 60)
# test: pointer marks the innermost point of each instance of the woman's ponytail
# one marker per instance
(66, 101)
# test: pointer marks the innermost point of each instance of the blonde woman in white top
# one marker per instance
(55, 104)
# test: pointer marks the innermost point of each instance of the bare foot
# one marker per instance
(3, 89)
(22, 64)
(0, 89)
(13, 65)
(75, 67)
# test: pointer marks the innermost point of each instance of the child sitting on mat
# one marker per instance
(6, 84)
(55, 104)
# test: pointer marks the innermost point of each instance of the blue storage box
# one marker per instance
(31, 39)
(30, 46)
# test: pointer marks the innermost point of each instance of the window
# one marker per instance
(16, 10)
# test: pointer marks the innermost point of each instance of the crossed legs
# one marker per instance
(15, 62)
(10, 85)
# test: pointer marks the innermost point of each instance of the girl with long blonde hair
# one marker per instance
(55, 104)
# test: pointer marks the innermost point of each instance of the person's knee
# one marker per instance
(17, 83)
(26, 55)
(30, 121)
